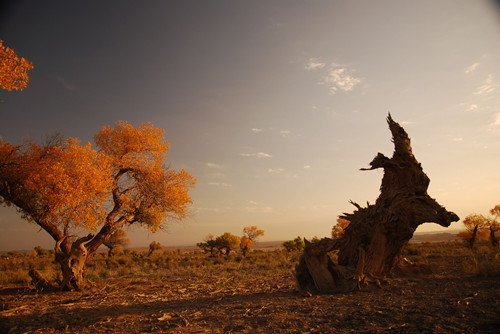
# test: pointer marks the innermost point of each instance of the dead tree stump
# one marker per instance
(373, 243)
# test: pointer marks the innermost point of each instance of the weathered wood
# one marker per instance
(374, 241)
(73, 262)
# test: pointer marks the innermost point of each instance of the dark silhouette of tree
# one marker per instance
(296, 244)
(154, 246)
(209, 245)
(374, 241)
(474, 224)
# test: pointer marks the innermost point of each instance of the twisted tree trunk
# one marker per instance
(374, 241)
(72, 262)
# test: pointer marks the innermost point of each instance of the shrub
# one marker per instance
(296, 244)
(40, 251)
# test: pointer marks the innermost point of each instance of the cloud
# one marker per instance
(458, 139)
(219, 184)
(285, 133)
(307, 166)
(257, 155)
(339, 78)
(496, 120)
(257, 207)
(257, 130)
(214, 165)
(471, 68)
(313, 64)
(486, 88)
(472, 107)
(275, 171)
(469, 106)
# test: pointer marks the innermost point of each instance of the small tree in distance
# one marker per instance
(250, 235)
(296, 244)
(115, 241)
(154, 246)
(494, 225)
(227, 242)
(475, 225)
(209, 245)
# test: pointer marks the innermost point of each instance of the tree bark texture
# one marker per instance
(72, 261)
(373, 243)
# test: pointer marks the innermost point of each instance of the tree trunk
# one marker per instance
(374, 241)
(472, 239)
(245, 251)
(72, 263)
(493, 238)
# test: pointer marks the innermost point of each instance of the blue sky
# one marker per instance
(272, 105)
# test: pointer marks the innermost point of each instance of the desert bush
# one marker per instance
(125, 261)
(104, 273)
(484, 265)
(412, 250)
(154, 246)
(487, 267)
(14, 276)
(123, 271)
(40, 251)
(227, 242)
(296, 244)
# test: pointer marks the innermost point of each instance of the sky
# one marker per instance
(273, 106)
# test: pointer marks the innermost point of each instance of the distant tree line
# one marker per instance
(480, 227)
(227, 242)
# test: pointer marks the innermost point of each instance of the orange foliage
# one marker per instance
(65, 185)
(252, 232)
(475, 222)
(495, 211)
(144, 189)
(245, 242)
(13, 71)
(227, 242)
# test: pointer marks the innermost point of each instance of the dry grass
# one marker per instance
(483, 260)
(176, 292)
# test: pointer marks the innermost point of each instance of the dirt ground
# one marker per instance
(445, 300)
